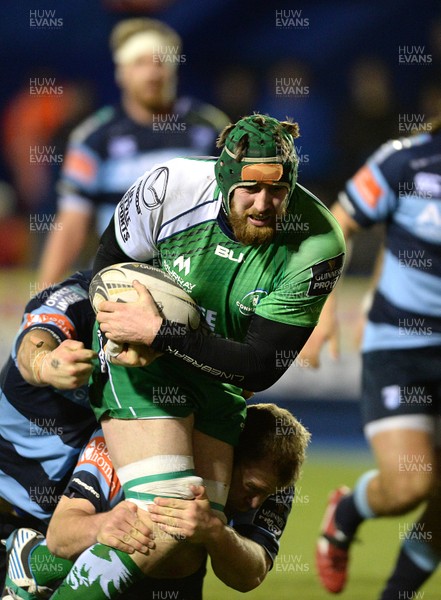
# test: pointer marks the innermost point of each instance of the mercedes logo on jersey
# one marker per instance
(154, 188)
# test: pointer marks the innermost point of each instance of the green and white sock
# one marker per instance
(46, 567)
(99, 573)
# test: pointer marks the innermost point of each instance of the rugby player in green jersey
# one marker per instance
(259, 254)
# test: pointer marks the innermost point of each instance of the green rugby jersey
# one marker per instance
(173, 217)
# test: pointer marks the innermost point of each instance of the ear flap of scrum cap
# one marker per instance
(257, 149)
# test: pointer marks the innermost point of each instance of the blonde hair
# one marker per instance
(124, 30)
(273, 433)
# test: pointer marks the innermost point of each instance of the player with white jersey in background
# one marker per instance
(259, 254)
(117, 144)
(401, 374)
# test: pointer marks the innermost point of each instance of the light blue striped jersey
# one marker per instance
(108, 151)
(42, 430)
(400, 185)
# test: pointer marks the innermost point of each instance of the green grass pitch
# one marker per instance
(293, 575)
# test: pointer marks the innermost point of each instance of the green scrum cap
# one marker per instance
(256, 149)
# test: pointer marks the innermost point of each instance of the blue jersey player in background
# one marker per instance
(400, 186)
(45, 418)
(116, 145)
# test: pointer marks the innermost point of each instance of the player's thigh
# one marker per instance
(406, 462)
(149, 411)
(219, 420)
(220, 410)
(213, 458)
(144, 412)
(405, 453)
(131, 440)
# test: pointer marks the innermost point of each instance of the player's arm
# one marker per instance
(237, 561)
(346, 222)
(64, 244)
(370, 197)
(327, 329)
(109, 251)
(42, 360)
(251, 364)
(75, 526)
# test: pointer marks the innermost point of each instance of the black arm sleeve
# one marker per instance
(109, 252)
(266, 353)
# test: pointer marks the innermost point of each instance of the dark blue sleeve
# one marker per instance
(266, 524)
(85, 486)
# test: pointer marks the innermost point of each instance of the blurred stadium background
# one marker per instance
(354, 92)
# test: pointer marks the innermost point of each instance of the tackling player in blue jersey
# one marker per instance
(116, 145)
(267, 464)
(400, 185)
(45, 418)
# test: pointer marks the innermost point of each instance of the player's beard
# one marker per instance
(250, 235)
(153, 100)
(155, 96)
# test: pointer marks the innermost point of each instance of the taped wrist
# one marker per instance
(37, 366)
(167, 475)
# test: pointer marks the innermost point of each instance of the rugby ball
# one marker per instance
(114, 283)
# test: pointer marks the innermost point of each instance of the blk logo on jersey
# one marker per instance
(124, 214)
(325, 275)
(267, 518)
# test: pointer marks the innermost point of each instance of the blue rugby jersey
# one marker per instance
(42, 430)
(94, 479)
(109, 151)
(400, 185)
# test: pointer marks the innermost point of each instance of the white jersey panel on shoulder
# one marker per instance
(172, 197)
